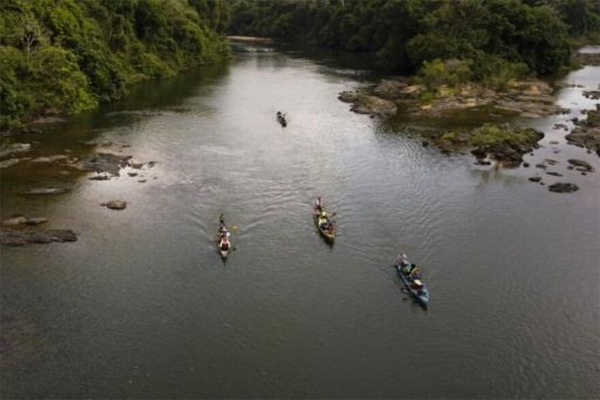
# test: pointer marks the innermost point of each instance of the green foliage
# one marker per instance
(499, 39)
(491, 136)
(436, 73)
(66, 56)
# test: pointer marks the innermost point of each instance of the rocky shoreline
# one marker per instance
(502, 144)
(587, 132)
(527, 99)
(105, 163)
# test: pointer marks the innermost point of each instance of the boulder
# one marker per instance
(561, 187)
(535, 178)
(390, 89)
(345, 96)
(372, 105)
(582, 165)
(116, 204)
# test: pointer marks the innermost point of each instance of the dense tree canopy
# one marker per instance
(495, 36)
(68, 55)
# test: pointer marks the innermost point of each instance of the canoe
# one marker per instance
(282, 120)
(328, 234)
(219, 240)
(420, 293)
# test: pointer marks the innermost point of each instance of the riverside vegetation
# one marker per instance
(66, 56)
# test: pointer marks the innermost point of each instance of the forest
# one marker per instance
(494, 39)
(66, 56)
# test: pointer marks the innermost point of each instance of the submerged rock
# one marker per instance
(587, 133)
(22, 220)
(105, 162)
(116, 204)
(21, 238)
(561, 187)
(18, 220)
(45, 191)
(7, 151)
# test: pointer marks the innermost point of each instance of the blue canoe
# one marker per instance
(415, 285)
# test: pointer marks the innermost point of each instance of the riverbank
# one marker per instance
(52, 69)
(518, 100)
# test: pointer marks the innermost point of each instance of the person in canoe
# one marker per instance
(281, 117)
(323, 220)
(319, 204)
(224, 244)
(402, 260)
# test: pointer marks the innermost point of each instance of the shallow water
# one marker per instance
(142, 306)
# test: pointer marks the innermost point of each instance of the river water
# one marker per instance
(141, 306)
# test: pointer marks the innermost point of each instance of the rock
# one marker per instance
(584, 173)
(368, 105)
(142, 181)
(132, 174)
(570, 167)
(136, 165)
(45, 191)
(535, 178)
(14, 148)
(31, 131)
(348, 96)
(550, 161)
(152, 164)
(116, 204)
(482, 162)
(11, 162)
(49, 160)
(21, 238)
(554, 173)
(99, 177)
(36, 221)
(425, 143)
(105, 162)
(390, 89)
(20, 220)
(412, 91)
(529, 115)
(563, 187)
(48, 120)
(584, 165)
(540, 165)
(592, 94)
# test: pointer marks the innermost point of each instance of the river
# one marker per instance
(141, 306)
